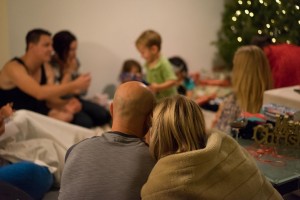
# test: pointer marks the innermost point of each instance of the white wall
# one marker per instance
(4, 41)
(107, 30)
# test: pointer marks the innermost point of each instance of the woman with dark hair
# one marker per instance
(66, 66)
(64, 60)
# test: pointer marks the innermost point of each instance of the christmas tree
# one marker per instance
(244, 19)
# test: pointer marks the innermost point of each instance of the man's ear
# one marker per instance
(33, 44)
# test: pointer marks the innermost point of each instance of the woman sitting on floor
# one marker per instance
(66, 66)
(193, 164)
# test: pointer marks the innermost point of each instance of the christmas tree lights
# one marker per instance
(244, 19)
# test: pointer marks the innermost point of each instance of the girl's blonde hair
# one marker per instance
(251, 76)
(177, 126)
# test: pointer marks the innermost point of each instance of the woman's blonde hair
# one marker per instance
(251, 76)
(177, 126)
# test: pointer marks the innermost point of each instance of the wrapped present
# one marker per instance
(272, 110)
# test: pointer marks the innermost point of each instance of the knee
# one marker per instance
(82, 119)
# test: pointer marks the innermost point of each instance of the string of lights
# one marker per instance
(243, 19)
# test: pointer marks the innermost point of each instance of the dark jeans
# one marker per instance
(91, 115)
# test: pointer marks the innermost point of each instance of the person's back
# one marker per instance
(116, 164)
(111, 166)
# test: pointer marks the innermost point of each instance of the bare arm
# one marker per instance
(218, 115)
(55, 101)
(156, 87)
(16, 75)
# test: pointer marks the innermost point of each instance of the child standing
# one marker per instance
(159, 72)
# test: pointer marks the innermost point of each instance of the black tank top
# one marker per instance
(20, 99)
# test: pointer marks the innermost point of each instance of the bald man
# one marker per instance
(116, 164)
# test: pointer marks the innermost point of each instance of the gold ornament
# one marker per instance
(286, 132)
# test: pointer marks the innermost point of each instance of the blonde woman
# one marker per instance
(195, 165)
(251, 76)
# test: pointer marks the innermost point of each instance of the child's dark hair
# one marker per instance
(179, 64)
(129, 63)
(127, 75)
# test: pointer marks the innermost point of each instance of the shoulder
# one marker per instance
(81, 145)
(164, 65)
(164, 61)
(13, 63)
(13, 67)
(230, 98)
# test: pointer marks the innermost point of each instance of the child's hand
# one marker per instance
(153, 87)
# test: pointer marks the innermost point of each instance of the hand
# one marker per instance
(82, 83)
(6, 111)
(73, 106)
(153, 87)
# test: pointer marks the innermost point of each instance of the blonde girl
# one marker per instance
(251, 76)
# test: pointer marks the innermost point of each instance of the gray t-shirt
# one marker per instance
(111, 166)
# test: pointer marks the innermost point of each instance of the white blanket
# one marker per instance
(40, 139)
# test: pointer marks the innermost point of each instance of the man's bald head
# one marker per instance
(132, 104)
